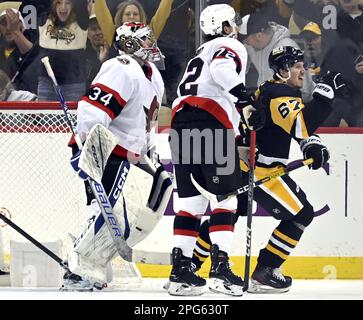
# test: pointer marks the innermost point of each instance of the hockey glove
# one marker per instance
(75, 165)
(257, 119)
(313, 148)
(253, 119)
(331, 85)
(244, 99)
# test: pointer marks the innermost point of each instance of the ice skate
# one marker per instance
(194, 268)
(73, 282)
(269, 280)
(183, 280)
(223, 280)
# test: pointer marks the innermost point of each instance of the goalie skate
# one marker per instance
(73, 282)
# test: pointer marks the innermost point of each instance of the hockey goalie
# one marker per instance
(114, 122)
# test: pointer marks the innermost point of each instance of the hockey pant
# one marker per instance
(200, 156)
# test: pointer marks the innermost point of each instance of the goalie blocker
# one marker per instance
(95, 248)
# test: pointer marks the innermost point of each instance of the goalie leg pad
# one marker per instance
(97, 149)
(118, 182)
(149, 216)
(95, 248)
(92, 251)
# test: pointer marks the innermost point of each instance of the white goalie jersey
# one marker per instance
(219, 66)
(124, 97)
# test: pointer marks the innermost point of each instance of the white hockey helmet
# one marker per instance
(213, 17)
(137, 39)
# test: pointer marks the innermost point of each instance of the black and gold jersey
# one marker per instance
(287, 118)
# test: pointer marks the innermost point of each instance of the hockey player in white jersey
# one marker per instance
(124, 97)
(211, 94)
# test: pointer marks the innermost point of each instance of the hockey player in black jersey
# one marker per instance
(286, 117)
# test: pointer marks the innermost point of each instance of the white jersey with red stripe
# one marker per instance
(124, 97)
(219, 66)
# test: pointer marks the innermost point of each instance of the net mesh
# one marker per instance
(38, 186)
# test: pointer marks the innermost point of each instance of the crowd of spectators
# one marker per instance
(77, 35)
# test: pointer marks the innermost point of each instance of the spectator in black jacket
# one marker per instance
(346, 56)
(97, 51)
(350, 21)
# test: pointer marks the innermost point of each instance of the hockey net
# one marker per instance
(37, 185)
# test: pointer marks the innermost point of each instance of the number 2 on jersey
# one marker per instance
(194, 69)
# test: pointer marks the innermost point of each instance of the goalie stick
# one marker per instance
(40, 246)
(123, 249)
(51, 254)
(35, 242)
(278, 173)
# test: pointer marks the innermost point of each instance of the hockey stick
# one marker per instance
(35, 242)
(276, 174)
(251, 179)
(124, 250)
(43, 248)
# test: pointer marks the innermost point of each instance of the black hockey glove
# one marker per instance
(331, 85)
(244, 99)
(257, 119)
(313, 148)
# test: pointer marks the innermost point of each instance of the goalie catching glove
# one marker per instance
(312, 147)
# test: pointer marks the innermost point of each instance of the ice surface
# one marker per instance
(152, 289)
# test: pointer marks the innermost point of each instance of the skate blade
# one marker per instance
(219, 286)
(182, 289)
(74, 289)
(256, 287)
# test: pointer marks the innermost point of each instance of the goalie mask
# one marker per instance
(137, 40)
(214, 17)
